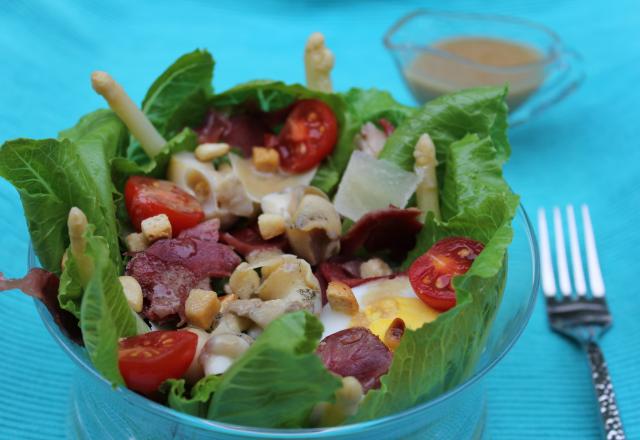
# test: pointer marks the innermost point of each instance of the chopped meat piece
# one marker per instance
(391, 229)
(207, 231)
(169, 269)
(243, 130)
(165, 286)
(356, 352)
(248, 239)
(203, 258)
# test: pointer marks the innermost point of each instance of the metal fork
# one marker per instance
(576, 314)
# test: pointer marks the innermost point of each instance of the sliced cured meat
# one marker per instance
(165, 286)
(243, 130)
(208, 231)
(169, 269)
(203, 258)
(343, 270)
(392, 229)
(246, 240)
(43, 285)
(356, 352)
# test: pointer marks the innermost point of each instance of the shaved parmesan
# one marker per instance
(258, 184)
(369, 184)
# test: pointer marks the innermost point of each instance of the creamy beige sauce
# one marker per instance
(431, 75)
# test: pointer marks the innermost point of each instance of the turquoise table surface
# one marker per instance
(586, 149)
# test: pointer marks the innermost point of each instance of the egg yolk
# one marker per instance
(378, 315)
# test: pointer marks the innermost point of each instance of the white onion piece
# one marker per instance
(369, 184)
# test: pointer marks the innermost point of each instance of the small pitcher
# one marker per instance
(540, 71)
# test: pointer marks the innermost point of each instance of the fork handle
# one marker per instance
(611, 422)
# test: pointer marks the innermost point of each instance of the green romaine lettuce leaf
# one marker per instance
(51, 177)
(99, 137)
(178, 98)
(105, 315)
(70, 291)
(441, 354)
(197, 402)
(279, 380)
(448, 119)
(360, 106)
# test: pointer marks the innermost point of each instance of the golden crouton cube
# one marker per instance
(136, 242)
(271, 225)
(201, 308)
(156, 227)
(341, 298)
(266, 159)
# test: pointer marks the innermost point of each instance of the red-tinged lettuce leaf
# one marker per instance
(43, 285)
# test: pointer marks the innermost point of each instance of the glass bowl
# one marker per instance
(99, 411)
(540, 73)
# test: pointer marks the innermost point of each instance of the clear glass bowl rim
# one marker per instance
(213, 426)
(550, 57)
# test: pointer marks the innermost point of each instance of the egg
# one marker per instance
(380, 302)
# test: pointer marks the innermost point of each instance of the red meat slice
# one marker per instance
(165, 286)
(207, 231)
(243, 130)
(203, 258)
(169, 269)
(391, 229)
(246, 240)
(356, 352)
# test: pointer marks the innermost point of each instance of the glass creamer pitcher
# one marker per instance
(440, 52)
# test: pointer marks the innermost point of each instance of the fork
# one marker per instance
(574, 313)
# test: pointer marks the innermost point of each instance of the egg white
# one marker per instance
(370, 293)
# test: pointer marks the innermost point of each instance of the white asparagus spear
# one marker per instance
(77, 225)
(318, 62)
(139, 125)
(427, 191)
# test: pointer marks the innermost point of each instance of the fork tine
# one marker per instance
(561, 254)
(576, 259)
(546, 264)
(595, 275)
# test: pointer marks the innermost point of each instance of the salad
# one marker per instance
(273, 255)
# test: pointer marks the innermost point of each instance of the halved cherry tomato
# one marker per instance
(147, 360)
(431, 274)
(146, 197)
(308, 136)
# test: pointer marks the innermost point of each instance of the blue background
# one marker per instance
(583, 150)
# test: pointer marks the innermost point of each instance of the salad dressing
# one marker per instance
(485, 61)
